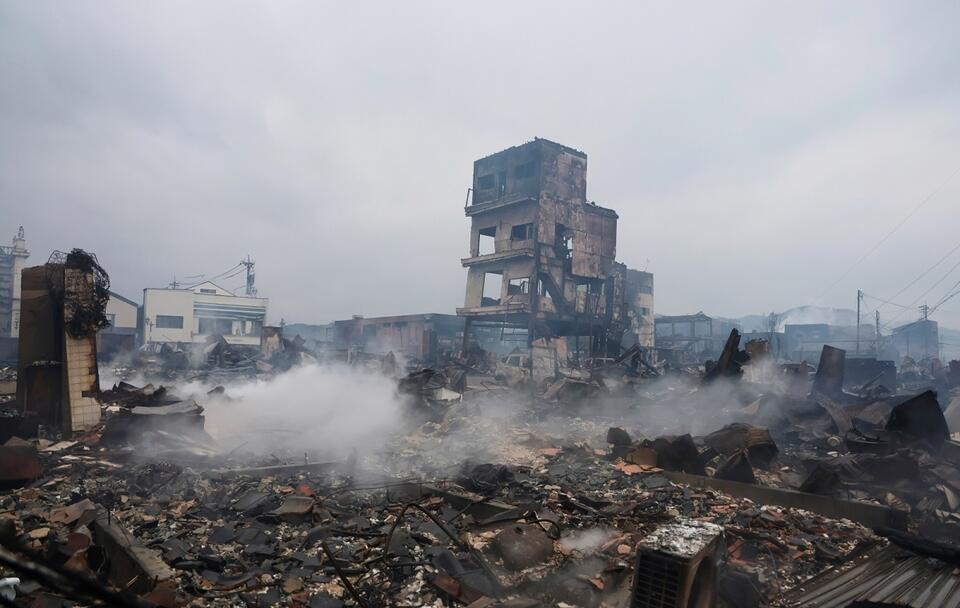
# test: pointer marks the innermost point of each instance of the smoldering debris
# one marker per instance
(379, 481)
(405, 497)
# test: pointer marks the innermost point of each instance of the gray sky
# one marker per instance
(753, 151)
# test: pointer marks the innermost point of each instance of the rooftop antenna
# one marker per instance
(251, 276)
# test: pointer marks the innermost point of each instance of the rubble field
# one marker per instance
(611, 487)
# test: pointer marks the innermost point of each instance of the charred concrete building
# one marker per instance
(542, 258)
(63, 309)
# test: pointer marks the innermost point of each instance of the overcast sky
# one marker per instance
(754, 151)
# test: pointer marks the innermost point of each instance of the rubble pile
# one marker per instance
(569, 494)
(564, 531)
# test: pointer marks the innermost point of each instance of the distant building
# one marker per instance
(12, 261)
(694, 338)
(917, 340)
(121, 336)
(422, 336)
(122, 314)
(806, 340)
(317, 337)
(638, 295)
(196, 313)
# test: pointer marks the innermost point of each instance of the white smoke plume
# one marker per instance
(326, 411)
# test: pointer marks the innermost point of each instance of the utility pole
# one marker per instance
(877, 347)
(251, 290)
(924, 311)
(859, 298)
(174, 284)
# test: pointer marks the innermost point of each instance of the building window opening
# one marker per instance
(486, 182)
(591, 287)
(169, 322)
(563, 241)
(542, 290)
(518, 287)
(209, 291)
(208, 326)
(523, 232)
(525, 170)
(492, 282)
(487, 243)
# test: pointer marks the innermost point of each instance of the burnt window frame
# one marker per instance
(487, 182)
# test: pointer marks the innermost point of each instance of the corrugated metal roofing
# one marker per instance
(890, 576)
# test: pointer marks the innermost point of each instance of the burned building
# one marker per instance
(918, 340)
(542, 258)
(423, 337)
(62, 311)
(685, 339)
(638, 295)
(12, 261)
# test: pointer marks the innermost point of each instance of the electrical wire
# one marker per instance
(946, 297)
(925, 273)
(866, 295)
(921, 296)
(220, 276)
(883, 240)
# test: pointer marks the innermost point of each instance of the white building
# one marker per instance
(122, 314)
(196, 313)
(12, 261)
(121, 336)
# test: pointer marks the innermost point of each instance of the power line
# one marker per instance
(883, 301)
(925, 272)
(946, 298)
(921, 296)
(220, 276)
(913, 211)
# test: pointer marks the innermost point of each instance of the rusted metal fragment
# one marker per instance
(739, 436)
(920, 417)
(731, 359)
(523, 546)
(829, 378)
(19, 463)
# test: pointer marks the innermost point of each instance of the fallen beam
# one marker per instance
(278, 469)
(870, 515)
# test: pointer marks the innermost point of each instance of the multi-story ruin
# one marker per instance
(12, 261)
(542, 258)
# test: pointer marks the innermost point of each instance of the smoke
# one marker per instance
(588, 541)
(327, 411)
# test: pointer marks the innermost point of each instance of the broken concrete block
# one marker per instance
(132, 565)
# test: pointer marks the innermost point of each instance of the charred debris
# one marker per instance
(574, 470)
